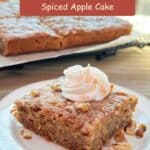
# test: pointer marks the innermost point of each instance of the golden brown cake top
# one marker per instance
(64, 25)
(51, 102)
(52, 94)
(23, 27)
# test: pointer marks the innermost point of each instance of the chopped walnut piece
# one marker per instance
(15, 113)
(56, 86)
(130, 129)
(119, 136)
(13, 110)
(84, 107)
(121, 146)
(35, 93)
(143, 127)
(140, 131)
(26, 134)
(132, 100)
(111, 88)
(102, 109)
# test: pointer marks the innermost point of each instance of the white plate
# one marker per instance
(32, 57)
(10, 138)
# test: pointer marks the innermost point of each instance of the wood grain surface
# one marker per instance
(129, 68)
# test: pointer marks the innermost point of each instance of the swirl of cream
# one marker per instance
(85, 84)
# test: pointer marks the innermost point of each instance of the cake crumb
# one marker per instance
(26, 134)
(84, 107)
(131, 128)
(35, 93)
(55, 86)
(13, 110)
(140, 131)
(121, 146)
(119, 136)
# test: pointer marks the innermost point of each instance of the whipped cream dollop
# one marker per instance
(85, 84)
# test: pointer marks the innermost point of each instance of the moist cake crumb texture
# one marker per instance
(75, 125)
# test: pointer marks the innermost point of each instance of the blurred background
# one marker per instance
(143, 7)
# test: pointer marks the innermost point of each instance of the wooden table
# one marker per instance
(129, 68)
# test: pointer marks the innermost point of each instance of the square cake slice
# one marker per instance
(74, 125)
(26, 34)
(86, 30)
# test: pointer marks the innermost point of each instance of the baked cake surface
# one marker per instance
(26, 34)
(87, 30)
(74, 125)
